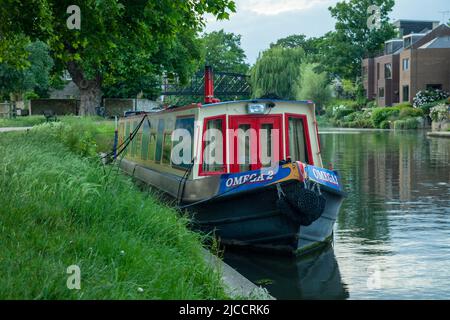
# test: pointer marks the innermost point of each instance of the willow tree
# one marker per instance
(108, 40)
(277, 73)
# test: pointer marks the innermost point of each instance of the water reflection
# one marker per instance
(316, 276)
(392, 237)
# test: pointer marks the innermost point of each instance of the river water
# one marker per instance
(392, 237)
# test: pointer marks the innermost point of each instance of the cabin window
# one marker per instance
(167, 148)
(186, 123)
(121, 133)
(266, 144)
(152, 147)
(244, 156)
(127, 134)
(213, 151)
(298, 148)
(145, 140)
(159, 141)
(135, 142)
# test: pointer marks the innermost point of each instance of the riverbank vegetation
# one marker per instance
(363, 114)
(61, 207)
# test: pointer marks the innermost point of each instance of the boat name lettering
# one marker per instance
(325, 176)
(249, 178)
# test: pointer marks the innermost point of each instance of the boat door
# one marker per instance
(255, 142)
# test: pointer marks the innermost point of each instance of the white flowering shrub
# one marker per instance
(429, 96)
(440, 112)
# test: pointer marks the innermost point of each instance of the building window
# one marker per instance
(388, 71)
(378, 71)
(381, 92)
(434, 86)
(405, 64)
(405, 93)
(365, 73)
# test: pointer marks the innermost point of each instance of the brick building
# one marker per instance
(415, 62)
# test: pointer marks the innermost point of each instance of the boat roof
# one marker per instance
(258, 101)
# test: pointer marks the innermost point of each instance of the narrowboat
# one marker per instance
(250, 172)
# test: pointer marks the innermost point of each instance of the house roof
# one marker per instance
(437, 43)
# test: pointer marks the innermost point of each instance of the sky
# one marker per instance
(262, 22)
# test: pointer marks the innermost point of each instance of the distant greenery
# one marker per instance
(34, 76)
(337, 55)
(223, 52)
(353, 39)
(59, 209)
(276, 73)
(313, 85)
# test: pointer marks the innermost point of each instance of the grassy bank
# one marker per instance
(21, 121)
(59, 208)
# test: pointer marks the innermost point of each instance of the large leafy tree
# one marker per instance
(117, 40)
(309, 45)
(34, 76)
(359, 32)
(276, 73)
(223, 52)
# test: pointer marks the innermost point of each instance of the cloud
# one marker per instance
(275, 7)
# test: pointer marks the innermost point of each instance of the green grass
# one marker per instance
(21, 121)
(59, 209)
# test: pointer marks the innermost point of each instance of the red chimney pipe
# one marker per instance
(209, 86)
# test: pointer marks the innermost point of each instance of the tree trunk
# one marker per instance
(90, 89)
(91, 98)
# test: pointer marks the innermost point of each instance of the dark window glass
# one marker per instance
(405, 93)
(159, 141)
(405, 64)
(244, 156)
(434, 86)
(266, 143)
(217, 154)
(297, 141)
(187, 124)
(388, 71)
(167, 148)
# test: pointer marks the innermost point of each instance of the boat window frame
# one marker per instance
(187, 116)
(224, 170)
(304, 118)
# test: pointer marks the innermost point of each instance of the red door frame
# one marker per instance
(255, 122)
(304, 118)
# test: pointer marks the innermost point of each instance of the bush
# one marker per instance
(404, 105)
(372, 105)
(426, 108)
(440, 112)
(429, 96)
(82, 136)
(341, 113)
(410, 113)
(385, 125)
(408, 124)
(382, 114)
